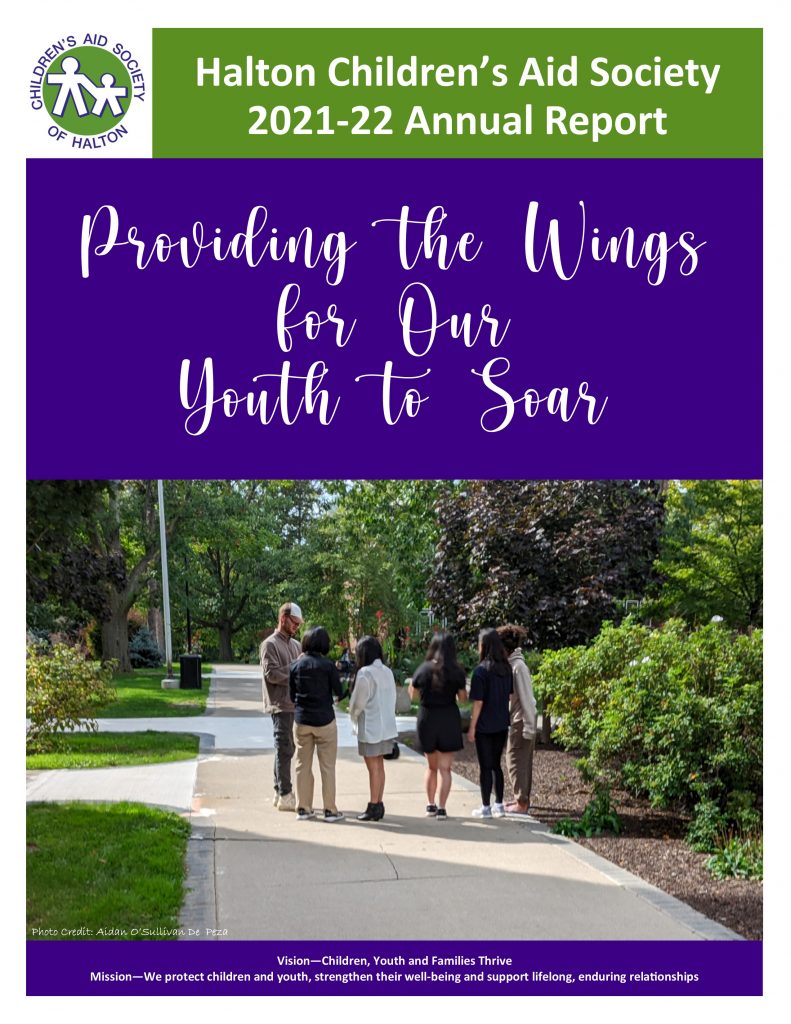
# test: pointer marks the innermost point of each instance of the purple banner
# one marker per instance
(71, 968)
(302, 318)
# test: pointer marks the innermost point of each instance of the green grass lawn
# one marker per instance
(103, 866)
(107, 749)
(139, 694)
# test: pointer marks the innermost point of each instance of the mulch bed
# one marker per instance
(651, 846)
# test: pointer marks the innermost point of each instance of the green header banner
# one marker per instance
(457, 93)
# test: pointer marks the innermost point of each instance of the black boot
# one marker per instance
(369, 814)
(379, 812)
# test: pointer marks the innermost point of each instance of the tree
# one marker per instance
(128, 529)
(555, 556)
(240, 548)
(66, 575)
(372, 551)
(712, 552)
(91, 548)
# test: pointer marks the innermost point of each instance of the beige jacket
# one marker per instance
(523, 703)
(278, 653)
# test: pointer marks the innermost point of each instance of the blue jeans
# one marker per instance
(283, 726)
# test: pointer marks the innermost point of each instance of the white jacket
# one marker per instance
(523, 703)
(372, 704)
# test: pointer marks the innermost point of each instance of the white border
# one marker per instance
(138, 19)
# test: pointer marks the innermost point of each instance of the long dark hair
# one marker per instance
(492, 653)
(442, 651)
(366, 652)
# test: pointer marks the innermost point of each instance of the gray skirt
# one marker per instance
(375, 749)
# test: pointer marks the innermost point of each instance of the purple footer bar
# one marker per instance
(394, 968)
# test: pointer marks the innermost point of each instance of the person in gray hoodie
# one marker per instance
(522, 731)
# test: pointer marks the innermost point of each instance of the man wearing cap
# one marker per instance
(278, 652)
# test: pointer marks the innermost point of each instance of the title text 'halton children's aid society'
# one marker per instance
(385, 72)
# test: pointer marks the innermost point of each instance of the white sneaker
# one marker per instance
(482, 812)
(275, 798)
(498, 811)
(287, 802)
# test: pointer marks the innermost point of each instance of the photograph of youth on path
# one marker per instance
(394, 709)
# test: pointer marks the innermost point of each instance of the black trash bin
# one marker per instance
(190, 671)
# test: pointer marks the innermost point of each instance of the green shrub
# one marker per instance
(598, 817)
(732, 835)
(404, 666)
(143, 650)
(738, 857)
(709, 825)
(672, 714)
(63, 690)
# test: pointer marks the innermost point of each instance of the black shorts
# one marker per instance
(439, 729)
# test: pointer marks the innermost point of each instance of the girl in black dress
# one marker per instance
(439, 683)
(490, 693)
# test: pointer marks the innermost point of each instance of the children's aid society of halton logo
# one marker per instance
(87, 90)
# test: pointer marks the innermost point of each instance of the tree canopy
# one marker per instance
(555, 556)
(236, 555)
(372, 552)
(711, 559)
(366, 556)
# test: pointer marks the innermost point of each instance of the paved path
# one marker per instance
(233, 721)
(256, 873)
(168, 785)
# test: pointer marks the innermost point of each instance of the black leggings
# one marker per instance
(489, 747)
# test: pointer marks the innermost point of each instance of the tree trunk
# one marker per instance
(156, 623)
(225, 634)
(115, 638)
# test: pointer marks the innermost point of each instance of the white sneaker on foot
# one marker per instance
(482, 812)
(287, 802)
(498, 811)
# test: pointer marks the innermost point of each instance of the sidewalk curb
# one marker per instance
(199, 909)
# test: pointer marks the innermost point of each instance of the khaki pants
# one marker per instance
(324, 740)
(519, 761)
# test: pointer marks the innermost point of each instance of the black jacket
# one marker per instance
(312, 681)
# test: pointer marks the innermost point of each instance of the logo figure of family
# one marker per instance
(72, 82)
(300, 682)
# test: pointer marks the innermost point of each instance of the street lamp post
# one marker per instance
(163, 546)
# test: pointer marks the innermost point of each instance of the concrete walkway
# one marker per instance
(169, 785)
(256, 873)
